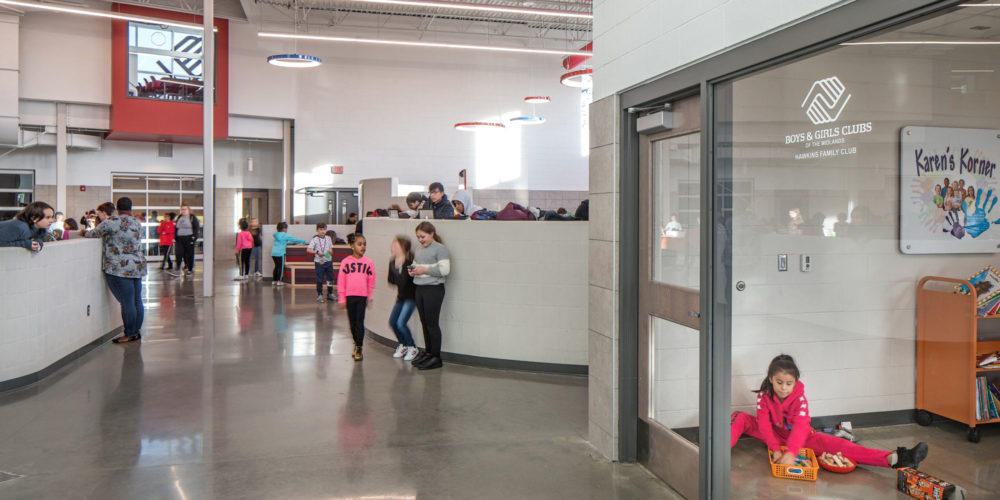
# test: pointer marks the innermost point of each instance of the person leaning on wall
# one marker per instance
(123, 262)
(28, 227)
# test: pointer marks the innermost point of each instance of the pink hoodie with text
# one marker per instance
(356, 278)
(244, 240)
(786, 420)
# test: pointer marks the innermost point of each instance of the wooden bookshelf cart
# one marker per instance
(948, 342)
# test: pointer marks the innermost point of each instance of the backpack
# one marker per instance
(513, 211)
(484, 215)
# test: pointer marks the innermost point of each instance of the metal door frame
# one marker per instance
(826, 29)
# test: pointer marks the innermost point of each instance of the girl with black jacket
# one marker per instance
(402, 258)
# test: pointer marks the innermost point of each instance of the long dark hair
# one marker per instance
(34, 212)
(407, 247)
(428, 228)
(781, 363)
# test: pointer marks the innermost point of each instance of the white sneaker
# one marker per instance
(281, 283)
(319, 298)
(411, 352)
(258, 275)
(400, 351)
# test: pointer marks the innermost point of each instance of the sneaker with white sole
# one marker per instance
(411, 352)
(400, 351)
(319, 298)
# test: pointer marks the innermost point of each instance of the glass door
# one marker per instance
(669, 299)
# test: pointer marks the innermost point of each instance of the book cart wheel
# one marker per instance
(973, 434)
(924, 417)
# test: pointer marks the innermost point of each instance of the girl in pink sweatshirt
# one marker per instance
(244, 245)
(355, 284)
(783, 420)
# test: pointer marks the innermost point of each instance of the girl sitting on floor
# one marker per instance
(783, 420)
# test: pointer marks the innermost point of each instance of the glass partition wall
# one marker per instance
(156, 195)
(855, 173)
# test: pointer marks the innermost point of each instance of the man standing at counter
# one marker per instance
(439, 202)
(123, 262)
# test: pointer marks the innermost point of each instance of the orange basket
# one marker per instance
(782, 471)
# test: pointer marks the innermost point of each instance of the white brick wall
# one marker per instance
(43, 304)
(518, 290)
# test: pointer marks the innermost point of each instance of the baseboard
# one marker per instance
(499, 364)
(31, 378)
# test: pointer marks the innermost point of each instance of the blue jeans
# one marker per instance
(128, 293)
(401, 313)
(255, 260)
(324, 274)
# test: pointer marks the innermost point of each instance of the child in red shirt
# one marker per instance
(355, 284)
(783, 420)
(166, 231)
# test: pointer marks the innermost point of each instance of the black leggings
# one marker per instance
(279, 268)
(244, 262)
(356, 317)
(429, 300)
(165, 251)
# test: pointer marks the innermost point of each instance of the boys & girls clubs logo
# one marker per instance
(824, 102)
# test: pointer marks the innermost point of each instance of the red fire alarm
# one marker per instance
(337, 169)
(83, 188)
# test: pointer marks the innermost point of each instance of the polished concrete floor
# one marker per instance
(973, 466)
(253, 395)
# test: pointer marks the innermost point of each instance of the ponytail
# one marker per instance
(781, 363)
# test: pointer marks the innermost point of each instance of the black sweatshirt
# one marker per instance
(405, 289)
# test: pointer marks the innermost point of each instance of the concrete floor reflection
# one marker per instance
(252, 394)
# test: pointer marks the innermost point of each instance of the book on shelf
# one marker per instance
(990, 360)
(987, 400)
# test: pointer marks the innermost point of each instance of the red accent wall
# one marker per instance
(135, 119)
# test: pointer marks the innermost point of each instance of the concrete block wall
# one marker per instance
(603, 248)
(44, 301)
(516, 290)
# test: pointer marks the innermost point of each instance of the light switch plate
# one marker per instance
(783, 262)
(806, 262)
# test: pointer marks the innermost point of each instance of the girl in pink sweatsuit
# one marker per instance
(244, 244)
(783, 420)
(355, 284)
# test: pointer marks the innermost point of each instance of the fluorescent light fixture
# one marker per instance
(972, 71)
(979, 4)
(294, 61)
(101, 13)
(928, 42)
(484, 8)
(420, 44)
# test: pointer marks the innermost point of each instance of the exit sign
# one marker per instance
(337, 170)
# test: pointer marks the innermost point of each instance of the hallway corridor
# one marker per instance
(253, 394)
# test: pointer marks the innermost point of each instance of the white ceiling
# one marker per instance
(355, 18)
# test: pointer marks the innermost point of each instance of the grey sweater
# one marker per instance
(435, 257)
(17, 233)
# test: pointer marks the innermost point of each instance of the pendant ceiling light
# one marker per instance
(527, 120)
(579, 78)
(294, 60)
(477, 126)
(538, 99)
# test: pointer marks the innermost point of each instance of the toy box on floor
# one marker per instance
(922, 485)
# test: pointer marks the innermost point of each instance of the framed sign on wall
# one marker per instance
(948, 190)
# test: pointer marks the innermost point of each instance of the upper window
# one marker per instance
(165, 62)
(17, 190)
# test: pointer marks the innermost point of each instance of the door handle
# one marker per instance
(694, 314)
